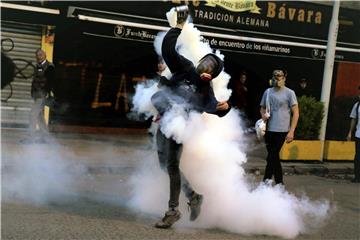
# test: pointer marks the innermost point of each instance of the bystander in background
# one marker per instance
(41, 89)
(151, 123)
(239, 98)
(239, 89)
(161, 66)
(302, 88)
(355, 126)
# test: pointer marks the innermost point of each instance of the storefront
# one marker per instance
(20, 38)
(102, 49)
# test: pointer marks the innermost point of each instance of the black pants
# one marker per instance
(169, 157)
(357, 159)
(274, 141)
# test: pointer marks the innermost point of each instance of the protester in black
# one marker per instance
(191, 87)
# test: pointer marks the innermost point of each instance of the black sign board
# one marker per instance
(287, 21)
(227, 43)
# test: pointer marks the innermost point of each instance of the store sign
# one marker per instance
(273, 10)
(278, 10)
(283, 50)
(230, 18)
(235, 6)
(249, 46)
(134, 33)
(287, 18)
(341, 56)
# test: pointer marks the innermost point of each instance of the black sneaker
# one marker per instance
(169, 219)
(195, 206)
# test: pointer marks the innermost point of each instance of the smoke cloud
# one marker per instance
(212, 160)
(40, 175)
(70, 169)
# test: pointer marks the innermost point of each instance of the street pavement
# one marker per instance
(97, 209)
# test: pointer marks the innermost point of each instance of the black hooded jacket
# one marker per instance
(185, 82)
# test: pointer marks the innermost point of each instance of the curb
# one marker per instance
(257, 170)
(304, 170)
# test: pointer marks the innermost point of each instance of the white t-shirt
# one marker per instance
(281, 101)
(353, 115)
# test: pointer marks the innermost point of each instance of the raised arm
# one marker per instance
(176, 62)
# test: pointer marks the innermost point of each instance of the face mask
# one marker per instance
(278, 79)
(280, 83)
(277, 83)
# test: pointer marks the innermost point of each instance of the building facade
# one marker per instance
(103, 49)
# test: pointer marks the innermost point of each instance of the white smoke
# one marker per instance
(212, 159)
(172, 17)
(39, 174)
(69, 169)
(142, 98)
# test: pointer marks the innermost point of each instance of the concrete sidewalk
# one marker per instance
(136, 144)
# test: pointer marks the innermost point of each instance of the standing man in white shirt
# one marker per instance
(355, 121)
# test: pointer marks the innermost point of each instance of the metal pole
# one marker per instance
(328, 70)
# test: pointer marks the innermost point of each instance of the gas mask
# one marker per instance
(278, 79)
(210, 64)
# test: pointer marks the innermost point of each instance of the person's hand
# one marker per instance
(221, 106)
(180, 25)
(205, 77)
(289, 137)
(265, 116)
(348, 138)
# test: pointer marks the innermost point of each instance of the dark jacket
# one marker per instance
(238, 97)
(185, 85)
(43, 80)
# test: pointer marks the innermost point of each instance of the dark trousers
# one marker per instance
(357, 159)
(169, 153)
(274, 141)
(37, 118)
